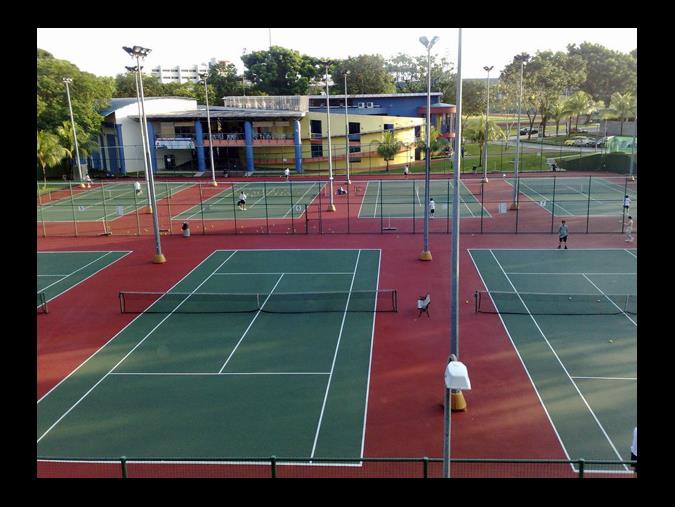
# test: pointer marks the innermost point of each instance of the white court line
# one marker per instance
(287, 273)
(208, 202)
(377, 195)
(249, 326)
(547, 199)
(119, 332)
(80, 269)
(609, 299)
(214, 374)
(128, 353)
(566, 273)
(602, 429)
(522, 361)
(631, 253)
(293, 204)
(608, 378)
(337, 348)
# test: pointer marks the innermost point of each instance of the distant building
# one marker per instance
(182, 73)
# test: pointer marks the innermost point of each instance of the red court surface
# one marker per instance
(504, 418)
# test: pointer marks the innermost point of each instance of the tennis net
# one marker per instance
(383, 300)
(531, 303)
(41, 302)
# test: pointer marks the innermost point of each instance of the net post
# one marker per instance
(72, 205)
(425, 467)
(553, 205)
(105, 210)
(482, 204)
(588, 206)
(306, 220)
(395, 300)
(290, 192)
(267, 215)
(476, 295)
(273, 467)
(582, 464)
(121, 298)
(234, 209)
(138, 218)
(381, 210)
(201, 207)
(168, 206)
(123, 463)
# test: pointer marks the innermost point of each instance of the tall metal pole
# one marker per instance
(632, 150)
(347, 131)
(487, 119)
(140, 123)
(67, 80)
(331, 205)
(457, 397)
(208, 119)
(514, 204)
(426, 254)
(138, 52)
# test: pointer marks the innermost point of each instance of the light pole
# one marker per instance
(331, 205)
(67, 81)
(208, 120)
(243, 83)
(139, 52)
(426, 254)
(514, 204)
(135, 70)
(632, 149)
(487, 119)
(347, 130)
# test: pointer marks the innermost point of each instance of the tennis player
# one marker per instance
(626, 203)
(242, 200)
(287, 173)
(629, 229)
(137, 188)
(562, 234)
(432, 207)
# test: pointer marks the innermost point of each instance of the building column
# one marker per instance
(298, 146)
(153, 147)
(248, 136)
(103, 153)
(120, 147)
(199, 145)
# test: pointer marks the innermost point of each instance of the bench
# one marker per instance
(423, 303)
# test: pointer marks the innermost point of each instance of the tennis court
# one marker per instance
(222, 365)
(405, 199)
(572, 318)
(109, 201)
(58, 272)
(579, 196)
(264, 200)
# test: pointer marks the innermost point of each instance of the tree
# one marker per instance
(557, 112)
(368, 75)
(225, 81)
(410, 75)
(89, 94)
(125, 85)
(281, 71)
(389, 146)
(436, 142)
(49, 152)
(86, 143)
(607, 71)
(622, 106)
(476, 134)
(578, 104)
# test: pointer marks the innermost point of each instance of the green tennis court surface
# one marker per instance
(581, 355)
(109, 201)
(570, 196)
(264, 200)
(58, 272)
(405, 199)
(209, 384)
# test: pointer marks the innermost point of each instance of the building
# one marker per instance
(182, 74)
(263, 132)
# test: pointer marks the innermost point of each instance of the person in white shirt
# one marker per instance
(242, 200)
(626, 203)
(137, 188)
(432, 207)
(629, 229)
(287, 173)
(406, 171)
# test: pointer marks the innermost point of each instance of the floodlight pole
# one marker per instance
(514, 204)
(632, 150)
(347, 130)
(426, 254)
(140, 122)
(457, 399)
(208, 119)
(66, 81)
(331, 205)
(487, 119)
(138, 52)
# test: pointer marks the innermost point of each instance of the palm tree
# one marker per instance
(622, 106)
(436, 142)
(558, 112)
(389, 146)
(476, 134)
(49, 152)
(578, 104)
(85, 145)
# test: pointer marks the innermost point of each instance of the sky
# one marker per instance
(99, 50)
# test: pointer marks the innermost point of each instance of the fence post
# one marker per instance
(581, 468)
(201, 208)
(413, 206)
(123, 462)
(482, 204)
(425, 467)
(234, 209)
(306, 220)
(381, 210)
(267, 215)
(553, 205)
(273, 463)
(169, 196)
(290, 191)
(588, 206)
(138, 218)
(72, 205)
(105, 211)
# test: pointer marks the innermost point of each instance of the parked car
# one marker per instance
(578, 131)
(526, 130)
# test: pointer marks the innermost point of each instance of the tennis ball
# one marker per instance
(611, 341)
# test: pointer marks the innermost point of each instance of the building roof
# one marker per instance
(224, 112)
(120, 102)
(377, 95)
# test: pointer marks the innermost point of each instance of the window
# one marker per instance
(388, 126)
